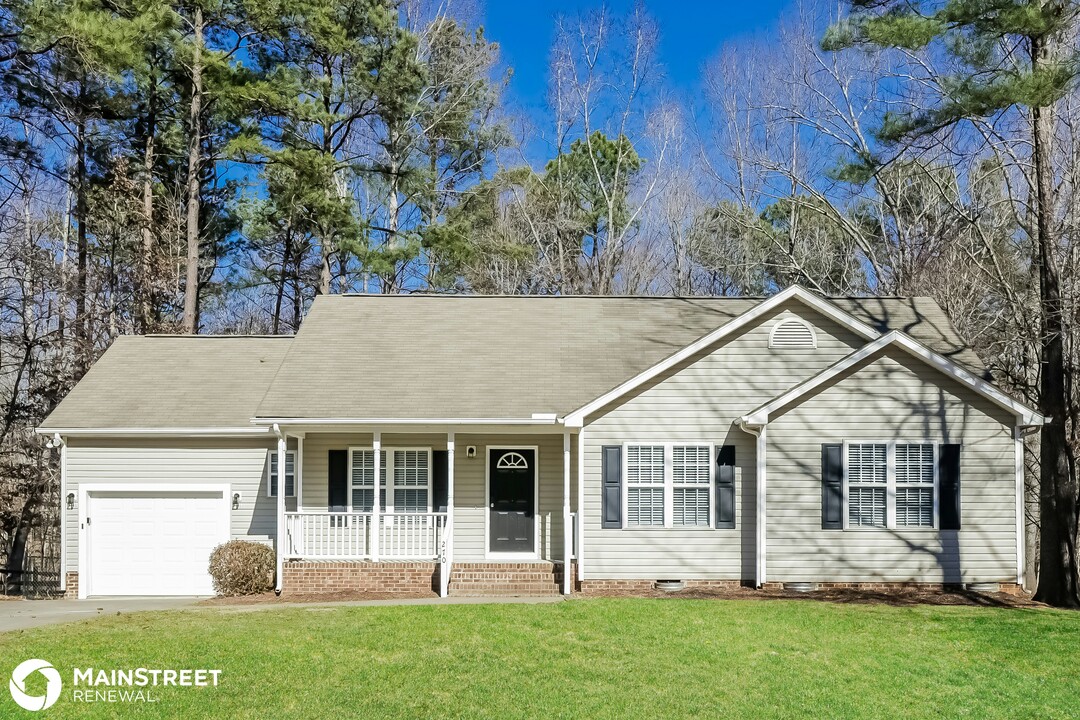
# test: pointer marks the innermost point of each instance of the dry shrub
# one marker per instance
(240, 567)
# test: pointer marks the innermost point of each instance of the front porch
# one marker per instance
(487, 513)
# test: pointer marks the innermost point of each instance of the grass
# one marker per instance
(617, 658)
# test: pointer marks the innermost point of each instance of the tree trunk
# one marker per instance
(282, 279)
(144, 288)
(1058, 583)
(82, 323)
(194, 168)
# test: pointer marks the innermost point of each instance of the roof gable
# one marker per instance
(1025, 415)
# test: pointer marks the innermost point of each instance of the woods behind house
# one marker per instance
(212, 166)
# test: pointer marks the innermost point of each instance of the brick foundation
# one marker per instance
(71, 585)
(1007, 588)
(647, 586)
(406, 578)
(418, 578)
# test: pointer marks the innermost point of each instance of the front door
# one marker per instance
(512, 500)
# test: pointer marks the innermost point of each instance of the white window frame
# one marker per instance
(890, 486)
(669, 484)
(271, 457)
(387, 477)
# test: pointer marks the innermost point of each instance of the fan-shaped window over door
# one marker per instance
(512, 461)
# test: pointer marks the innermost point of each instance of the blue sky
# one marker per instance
(691, 32)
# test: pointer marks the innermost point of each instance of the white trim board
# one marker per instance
(1025, 416)
(814, 302)
(154, 432)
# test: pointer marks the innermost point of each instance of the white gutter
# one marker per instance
(761, 546)
(544, 420)
(155, 432)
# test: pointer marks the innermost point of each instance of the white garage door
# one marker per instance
(152, 543)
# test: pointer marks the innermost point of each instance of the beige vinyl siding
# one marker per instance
(892, 397)
(701, 401)
(469, 482)
(239, 462)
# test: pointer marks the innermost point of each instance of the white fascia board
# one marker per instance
(1025, 415)
(155, 432)
(263, 421)
(795, 292)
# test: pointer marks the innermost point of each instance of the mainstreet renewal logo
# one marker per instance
(18, 685)
(100, 685)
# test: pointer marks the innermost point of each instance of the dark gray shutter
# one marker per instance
(832, 487)
(949, 486)
(725, 487)
(611, 491)
(440, 479)
(337, 491)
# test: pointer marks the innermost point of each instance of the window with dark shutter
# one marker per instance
(949, 486)
(832, 487)
(337, 492)
(440, 479)
(611, 486)
(725, 487)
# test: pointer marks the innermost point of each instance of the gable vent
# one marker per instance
(792, 334)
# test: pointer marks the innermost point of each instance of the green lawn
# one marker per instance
(583, 659)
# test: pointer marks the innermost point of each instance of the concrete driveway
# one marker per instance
(22, 614)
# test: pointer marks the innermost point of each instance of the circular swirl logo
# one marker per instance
(17, 686)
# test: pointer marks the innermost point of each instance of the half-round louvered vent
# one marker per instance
(792, 334)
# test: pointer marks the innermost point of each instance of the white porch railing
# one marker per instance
(348, 536)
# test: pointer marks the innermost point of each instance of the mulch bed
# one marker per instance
(905, 597)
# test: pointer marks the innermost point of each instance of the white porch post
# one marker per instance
(376, 528)
(567, 537)
(448, 558)
(580, 505)
(280, 506)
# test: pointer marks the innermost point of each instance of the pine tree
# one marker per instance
(1009, 54)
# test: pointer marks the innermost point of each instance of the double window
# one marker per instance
(668, 485)
(407, 472)
(891, 485)
(272, 474)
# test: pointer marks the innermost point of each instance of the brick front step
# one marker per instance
(505, 579)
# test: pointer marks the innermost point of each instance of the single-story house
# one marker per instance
(549, 444)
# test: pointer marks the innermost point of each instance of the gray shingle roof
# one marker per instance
(428, 356)
(509, 357)
(173, 382)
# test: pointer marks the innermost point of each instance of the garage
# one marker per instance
(143, 541)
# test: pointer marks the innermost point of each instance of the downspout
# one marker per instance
(59, 442)
(1019, 433)
(280, 544)
(761, 549)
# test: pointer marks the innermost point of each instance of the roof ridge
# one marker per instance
(479, 296)
(214, 336)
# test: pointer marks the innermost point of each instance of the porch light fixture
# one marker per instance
(236, 501)
(71, 501)
(470, 451)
